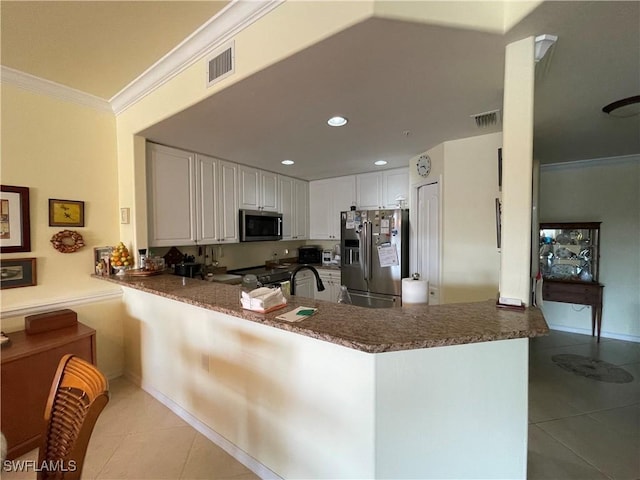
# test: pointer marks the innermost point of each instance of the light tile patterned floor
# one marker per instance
(579, 428)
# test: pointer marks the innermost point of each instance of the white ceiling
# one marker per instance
(387, 77)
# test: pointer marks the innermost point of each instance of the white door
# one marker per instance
(428, 242)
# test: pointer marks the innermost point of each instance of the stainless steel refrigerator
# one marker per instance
(375, 256)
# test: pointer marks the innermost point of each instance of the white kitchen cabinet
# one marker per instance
(217, 200)
(327, 198)
(381, 189)
(331, 280)
(395, 183)
(305, 284)
(369, 190)
(258, 189)
(171, 191)
(294, 206)
(192, 199)
(301, 210)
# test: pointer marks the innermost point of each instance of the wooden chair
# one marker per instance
(78, 395)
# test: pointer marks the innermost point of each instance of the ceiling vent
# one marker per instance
(487, 119)
(221, 64)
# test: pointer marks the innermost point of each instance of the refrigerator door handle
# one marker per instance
(363, 250)
(367, 258)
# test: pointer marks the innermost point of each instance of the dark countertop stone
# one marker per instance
(406, 328)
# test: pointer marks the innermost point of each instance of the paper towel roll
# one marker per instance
(415, 291)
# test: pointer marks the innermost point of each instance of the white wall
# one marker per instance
(608, 191)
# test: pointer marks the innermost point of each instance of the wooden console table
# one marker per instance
(580, 293)
(28, 365)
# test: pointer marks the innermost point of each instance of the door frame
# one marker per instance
(413, 234)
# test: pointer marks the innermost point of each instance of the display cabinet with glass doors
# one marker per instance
(569, 264)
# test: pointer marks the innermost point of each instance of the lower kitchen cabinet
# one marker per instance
(331, 280)
(305, 284)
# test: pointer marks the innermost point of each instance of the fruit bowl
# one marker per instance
(120, 270)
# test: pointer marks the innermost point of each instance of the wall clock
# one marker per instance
(423, 165)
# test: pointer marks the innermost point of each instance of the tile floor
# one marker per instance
(581, 428)
(578, 428)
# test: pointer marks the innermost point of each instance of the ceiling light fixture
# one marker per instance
(337, 121)
(542, 44)
(380, 162)
(627, 107)
(287, 162)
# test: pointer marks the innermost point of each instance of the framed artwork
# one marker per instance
(500, 169)
(102, 260)
(15, 227)
(66, 213)
(498, 221)
(17, 272)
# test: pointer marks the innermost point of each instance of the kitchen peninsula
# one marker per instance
(416, 392)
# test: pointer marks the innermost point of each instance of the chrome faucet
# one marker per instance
(319, 283)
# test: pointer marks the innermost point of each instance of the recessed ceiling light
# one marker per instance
(287, 162)
(337, 121)
(380, 162)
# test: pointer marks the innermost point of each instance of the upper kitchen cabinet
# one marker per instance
(192, 198)
(327, 198)
(382, 189)
(217, 200)
(171, 189)
(258, 189)
(294, 206)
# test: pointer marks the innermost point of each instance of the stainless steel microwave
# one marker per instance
(260, 226)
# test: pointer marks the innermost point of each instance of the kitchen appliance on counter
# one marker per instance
(258, 226)
(310, 254)
(375, 256)
(188, 267)
(267, 276)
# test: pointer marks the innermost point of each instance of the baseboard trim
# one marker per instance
(240, 455)
(62, 303)
(587, 331)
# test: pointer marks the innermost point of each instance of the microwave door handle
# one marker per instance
(279, 226)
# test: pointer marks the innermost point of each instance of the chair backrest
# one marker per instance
(78, 395)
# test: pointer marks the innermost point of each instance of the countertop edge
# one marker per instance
(434, 326)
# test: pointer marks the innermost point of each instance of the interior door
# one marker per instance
(428, 234)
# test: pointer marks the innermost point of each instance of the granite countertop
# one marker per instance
(406, 328)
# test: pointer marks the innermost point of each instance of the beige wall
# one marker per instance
(471, 257)
(607, 191)
(62, 150)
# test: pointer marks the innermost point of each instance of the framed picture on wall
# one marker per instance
(500, 169)
(15, 228)
(17, 272)
(66, 213)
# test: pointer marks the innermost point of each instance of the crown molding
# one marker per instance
(52, 89)
(591, 162)
(235, 17)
